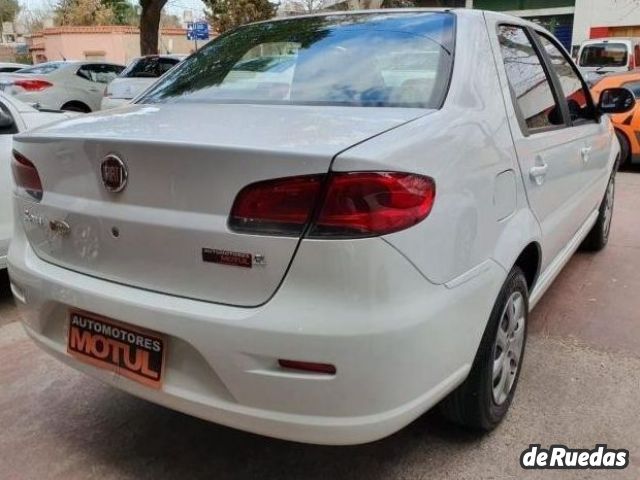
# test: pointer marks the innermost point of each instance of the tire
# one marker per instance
(598, 237)
(76, 107)
(625, 149)
(480, 403)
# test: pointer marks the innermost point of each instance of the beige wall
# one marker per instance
(113, 44)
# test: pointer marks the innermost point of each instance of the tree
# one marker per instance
(124, 12)
(83, 12)
(306, 6)
(9, 9)
(33, 19)
(224, 15)
(150, 25)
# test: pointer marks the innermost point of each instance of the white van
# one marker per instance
(608, 55)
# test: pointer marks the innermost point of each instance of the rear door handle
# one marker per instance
(538, 173)
(584, 153)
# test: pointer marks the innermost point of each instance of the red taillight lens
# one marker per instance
(26, 175)
(354, 205)
(276, 207)
(365, 204)
(32, 85)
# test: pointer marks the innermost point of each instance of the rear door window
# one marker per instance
(530, 87)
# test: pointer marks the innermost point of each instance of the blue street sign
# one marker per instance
(197, 31)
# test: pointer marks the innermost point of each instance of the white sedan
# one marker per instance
(325, 255)
(15, 117)
(139, 74)
(65, 85)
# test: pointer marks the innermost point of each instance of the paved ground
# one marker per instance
(580, 386)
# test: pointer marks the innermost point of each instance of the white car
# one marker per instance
(64, 85)
(8, 67)
(15, 117)
(139, 74)
(322, 260)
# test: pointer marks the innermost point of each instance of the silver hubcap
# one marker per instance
(608, 207)
(507, 348)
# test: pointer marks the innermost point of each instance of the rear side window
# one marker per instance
(377, 60)
(528, 81)
(149, 67)
(604, 55)
(576, 96)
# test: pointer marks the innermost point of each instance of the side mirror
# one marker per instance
(6, 120)
(616, 100)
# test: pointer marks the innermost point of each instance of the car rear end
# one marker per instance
(226, 269)
(603, 56)
(139, 75)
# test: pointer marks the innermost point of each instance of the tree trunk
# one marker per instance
(150, 25)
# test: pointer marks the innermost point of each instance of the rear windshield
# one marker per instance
(604, 55)
(398, 59)
(42, 68)
(149, 67)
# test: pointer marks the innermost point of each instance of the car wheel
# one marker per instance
(598, 237)
(625, 149)
(482, 401)
(76, 107)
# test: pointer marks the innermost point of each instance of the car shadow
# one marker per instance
(139, 439)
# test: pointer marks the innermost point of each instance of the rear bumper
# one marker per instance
(399, 343)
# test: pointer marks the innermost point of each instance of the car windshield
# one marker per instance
(390, 59)
(42, 68)
(604, 55)
(149, 67)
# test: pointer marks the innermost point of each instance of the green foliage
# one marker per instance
(225, 15)
(8, 10)
(124, 13)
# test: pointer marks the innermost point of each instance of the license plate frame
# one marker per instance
(126, 350)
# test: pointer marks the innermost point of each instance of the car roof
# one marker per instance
(470, 12)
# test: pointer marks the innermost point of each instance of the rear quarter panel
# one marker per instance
(465, 147)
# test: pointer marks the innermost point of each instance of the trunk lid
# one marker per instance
(186, 163)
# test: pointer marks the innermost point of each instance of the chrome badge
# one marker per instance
(114, 173)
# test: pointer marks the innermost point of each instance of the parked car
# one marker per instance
(73, 86)
(600, 56)
(8, 67)
(627, 124)
(15, 117)
(138, 75)
(322, 260)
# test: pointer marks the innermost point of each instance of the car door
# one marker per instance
(548, 154)
(95, 77)
(591, 136)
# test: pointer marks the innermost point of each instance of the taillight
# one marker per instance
(32, 85)
(353, 205)
(276, 207)
(26, 176)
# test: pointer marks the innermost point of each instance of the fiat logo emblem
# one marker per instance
(114, 173)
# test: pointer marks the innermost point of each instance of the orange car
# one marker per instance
(627, 125)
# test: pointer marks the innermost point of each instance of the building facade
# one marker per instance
(113, 43)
